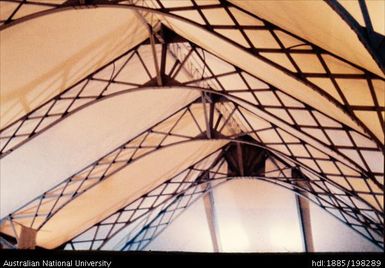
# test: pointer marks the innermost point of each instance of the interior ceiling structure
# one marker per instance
(116, 114)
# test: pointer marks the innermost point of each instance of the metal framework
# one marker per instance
(314, 79)
(332, 166)
(179, 192)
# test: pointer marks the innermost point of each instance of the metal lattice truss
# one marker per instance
(160, 206)
(335, 159)
(193, 181)
(321, 71)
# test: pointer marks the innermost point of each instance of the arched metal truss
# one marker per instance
(338, 95)
(201, 177)
(226, 164)
(197, 179)
(43, 208)
(228, 115)
(105, 83)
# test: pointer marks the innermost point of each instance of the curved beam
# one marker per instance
(232, 98)
(298, 76)
(6, 150)
(96, 163)
(11, 132)
(95, 242)
(243, 101)
(169, 208)
(305, 82)
(99, 98)
(216, 178)
(104, 176)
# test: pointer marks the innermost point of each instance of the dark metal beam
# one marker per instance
(305, 222)
(155, 57)
(212, 221)
(303, 207)
(372, 41)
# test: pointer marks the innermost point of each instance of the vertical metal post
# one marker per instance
(304, 215)
(209, 203)
(152, 40)
(303, 206)
(240, 159)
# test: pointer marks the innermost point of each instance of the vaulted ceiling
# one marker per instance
(114, 111)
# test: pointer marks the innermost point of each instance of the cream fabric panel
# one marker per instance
(43, 56)
(80, 139)
(318, 23)
(121, 189)
(259, 68)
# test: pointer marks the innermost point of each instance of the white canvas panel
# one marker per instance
(329, 234)
(256, 216)
(81, 139)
